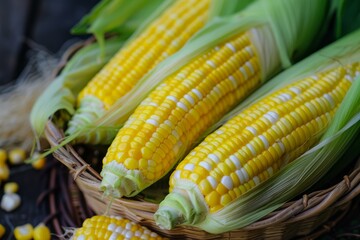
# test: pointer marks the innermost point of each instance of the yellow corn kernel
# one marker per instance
(39, 162)
(3, 156)
(11, 187)
(213, 198)
(2, 231)
(226, 199)
(4, 172)
(24, 232)
(17, 156)
(42, 232)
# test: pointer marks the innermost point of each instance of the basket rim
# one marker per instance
(308, 206)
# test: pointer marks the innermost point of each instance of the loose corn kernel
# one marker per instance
(3, 156)
(4, 172)
(24, 232)
(2, 231)
(10, 201)
(11, 187)
(39, 163)
(42, 232)
(17, 156)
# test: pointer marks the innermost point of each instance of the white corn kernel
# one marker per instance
(214, 158)
(10, 201)
(227, 182)
(231, 47)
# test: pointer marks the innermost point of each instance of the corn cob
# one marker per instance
(173, 116)
(111, 227)
(162, 38)
(177, 112)
(254, 145)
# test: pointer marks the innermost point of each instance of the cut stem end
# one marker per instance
(168, 218)
(118, 181)
(181, 207)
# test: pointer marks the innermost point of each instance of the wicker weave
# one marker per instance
(301, 217)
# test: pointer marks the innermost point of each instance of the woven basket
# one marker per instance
(310, 216)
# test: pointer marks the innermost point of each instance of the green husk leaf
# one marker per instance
(146, 21)
(293, 46)
(307, 169)
(61, 93)
(347, 17)
(221, 8)
(351, 17)
(110, 15)
(343, 164)
(114, 16)
(137, 19)
(216, 31)
(82, 26)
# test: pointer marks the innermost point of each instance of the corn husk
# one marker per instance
(60, 94)
(278, 14)
(118, 16)
(347, 17)
(298, 175)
